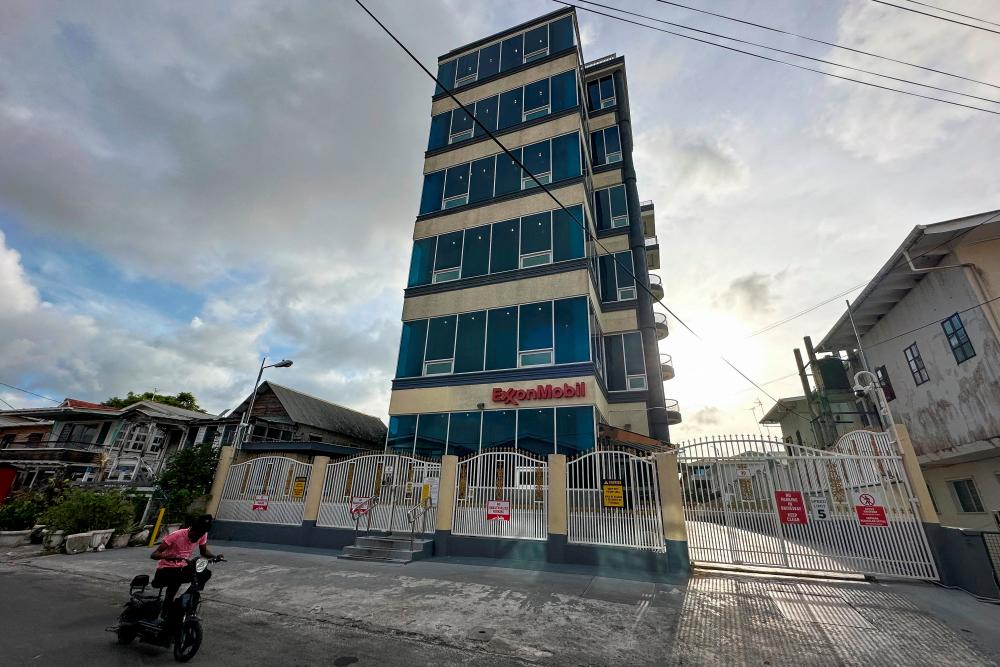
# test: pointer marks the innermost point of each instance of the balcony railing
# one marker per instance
(56, 444)
(666, 367)
(644, 204)
(652, 241)
(599, 61)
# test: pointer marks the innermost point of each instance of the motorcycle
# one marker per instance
(141, 617)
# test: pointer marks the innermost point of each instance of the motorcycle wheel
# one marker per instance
(188, 640)
(125, 633)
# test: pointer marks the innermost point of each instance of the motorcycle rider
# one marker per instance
(174, 552)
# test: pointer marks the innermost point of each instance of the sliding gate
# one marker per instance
(759, 502)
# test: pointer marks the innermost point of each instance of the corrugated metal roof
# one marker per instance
(9, 420)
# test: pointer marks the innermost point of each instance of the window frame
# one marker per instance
(973, 493)
(882, 375)
(915, 362)
(628, 376)
(955, 337)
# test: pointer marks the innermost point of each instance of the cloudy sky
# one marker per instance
(186, 187)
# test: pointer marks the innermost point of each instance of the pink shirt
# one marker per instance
(178, 545)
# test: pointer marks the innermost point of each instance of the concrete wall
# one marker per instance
(985, 474)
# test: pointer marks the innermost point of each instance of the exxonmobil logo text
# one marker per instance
(515, 396)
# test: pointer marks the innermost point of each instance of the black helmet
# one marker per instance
(203, 523)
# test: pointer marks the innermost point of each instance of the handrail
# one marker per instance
(421, 512)
(666, 359)
(652, 240)
(654, 279)
(600, 60)
(648, 202)
(368, 506)
(660, 318)
(671, 404)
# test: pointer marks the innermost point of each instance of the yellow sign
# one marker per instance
(299, 487)
(612, 493)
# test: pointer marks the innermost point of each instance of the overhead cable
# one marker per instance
(935, 16)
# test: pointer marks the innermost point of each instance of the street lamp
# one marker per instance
(873, 388)
(242, 431)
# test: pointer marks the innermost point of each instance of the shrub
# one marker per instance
(186, 478)
(79, 511)
(19, 514)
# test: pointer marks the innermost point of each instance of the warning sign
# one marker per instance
(299, 487)
(260, 503)
(359, 505)
(871, 515)
(612, 493)
(498, 509)
(791, 507)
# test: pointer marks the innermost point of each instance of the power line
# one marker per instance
(7, 404)
(948, 11)
(789, 53)
(937, 322)
(581, 223)
(824, 42)
(935, 16)
(777, 60)
(775, 325)
(28, 392)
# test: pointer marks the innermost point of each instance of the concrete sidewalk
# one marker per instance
(568, 616)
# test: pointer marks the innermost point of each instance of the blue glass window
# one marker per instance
(626, 273)
(446, 75)
(536, 237)
(536, 99)
(512, 52)
(439, 131)
(610, 206)
(571, 336)
(561, 35)
(489, 60)
(402, 429)
(440, 338)
(634, 362)
(565, 157)
(422, 262)
(625, 362)
(563, 91)
(468, 65)
(505, 255)
(536, 431)
(471, 342)
(476, 254)
(574, 430)
(614, 355)
(609, 285)
(567, 234)
(487, 113)
(508, 177)
(432, 431)
(601, 93)
(537, 160)
(411, 349)
(430, 198)
(463, 433)
(449, 251)
(511, 108)
(481, 187)
(606, 147)
(958, 338)
(535, 328)
(499, 429)
(536, 43)
(461, 126)
(597, 153)
(456, 186)
(501, 338)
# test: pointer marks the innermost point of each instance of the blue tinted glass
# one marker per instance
(624, 268)
(446, 75)
(457, 181)
(422, 261)
(608, 88)
(574, 430)
(411, 349)
(505, 255)
(463, 433)
(602, 208)
(536, 40)
(501, 338)
(489, 60)
(402, 428)
(560, 35)
(449, 251)
(499, 429)
(441, 338)
(430, 198)
(572, 336)
(536, 431)
(597, 153)
(618, 201)
(609, 286)
(508, 174)
(432, 430)
(565, 157)
(536, 233)
(537, 158)
(460, 121)
(615, 361)
(471, 342)
(511, 108)
(439, 131)
(563, 91)
(476, 254)
(634, 364)
(486, 113)
(567, 234)
(481, 188)
(536, 95)
(512, 53)
(594, 95)
(467, 65)
(612, 140)
(535, 329)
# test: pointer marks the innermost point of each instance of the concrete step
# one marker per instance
(391, 542)
(358, 552)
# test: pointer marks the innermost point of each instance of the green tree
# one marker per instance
(187, 477)
(183, 399)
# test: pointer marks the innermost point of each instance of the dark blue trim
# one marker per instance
(521, 27)
(306, 535)
(601, 168)
(497, 278)
(615, 231)
(507, 375)
(613, 306)
(499, 75)
(601, 112)
(620, 60)
(553, 187)
(507, 130)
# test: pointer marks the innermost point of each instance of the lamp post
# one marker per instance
(242, 431)
(873, 388)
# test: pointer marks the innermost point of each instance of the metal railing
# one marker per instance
(419, 512)
(655, 280)
(671, 405)
(652, 241)
(269, 489)
(644, 204)
(603, 59)
(511, 481)
(363, 509)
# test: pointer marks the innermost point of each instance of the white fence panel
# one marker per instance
(514, 477)
(596, 519)
(276, 485)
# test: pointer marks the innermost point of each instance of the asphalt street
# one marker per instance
(59, 619)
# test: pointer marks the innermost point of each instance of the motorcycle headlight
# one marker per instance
(200, 565)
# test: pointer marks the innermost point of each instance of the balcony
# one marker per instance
(648, 218)
(656, 286)
(666, 367)
(673, 411)
(662, 329)
(652, 253)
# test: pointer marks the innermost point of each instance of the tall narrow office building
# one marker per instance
(519, 329)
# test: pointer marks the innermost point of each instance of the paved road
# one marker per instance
(59, 619)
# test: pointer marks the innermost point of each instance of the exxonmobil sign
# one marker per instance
(514, 396)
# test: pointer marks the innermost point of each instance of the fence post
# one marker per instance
(445, 504)
(314, 493)
(558, 520)
(925, 507)
(221, 472)
(672, 510)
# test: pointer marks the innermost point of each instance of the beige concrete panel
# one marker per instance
(226, 455)
(619, 320)
(601, 122)
(542, 288)
(314, 493)
(467, 397)
(613, 244)
(671, 499)
(569, 195)
(446, 492)
(503, 84)
(556, 499)
(629, 416)
(985, 277)
(606, 179)
(925, 506)
(529, 135)
(985, 474)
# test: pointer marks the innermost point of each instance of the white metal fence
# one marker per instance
(761, 502)
(269, 489)
(613, 499)
(519, 482)
(392, 484)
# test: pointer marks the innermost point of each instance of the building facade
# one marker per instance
(525, 321)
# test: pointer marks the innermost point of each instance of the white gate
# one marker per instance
(390, 483)
(269, 489)
(512, 484)
(752, 501)
(613, 499)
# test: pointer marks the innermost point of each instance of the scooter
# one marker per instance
(182, 627)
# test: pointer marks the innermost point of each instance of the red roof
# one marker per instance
(87, 405)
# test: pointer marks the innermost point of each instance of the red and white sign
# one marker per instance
(498, 509)
(359, 505)
(514, 396)
(260, 503)
(791, 507)
(871, 515)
